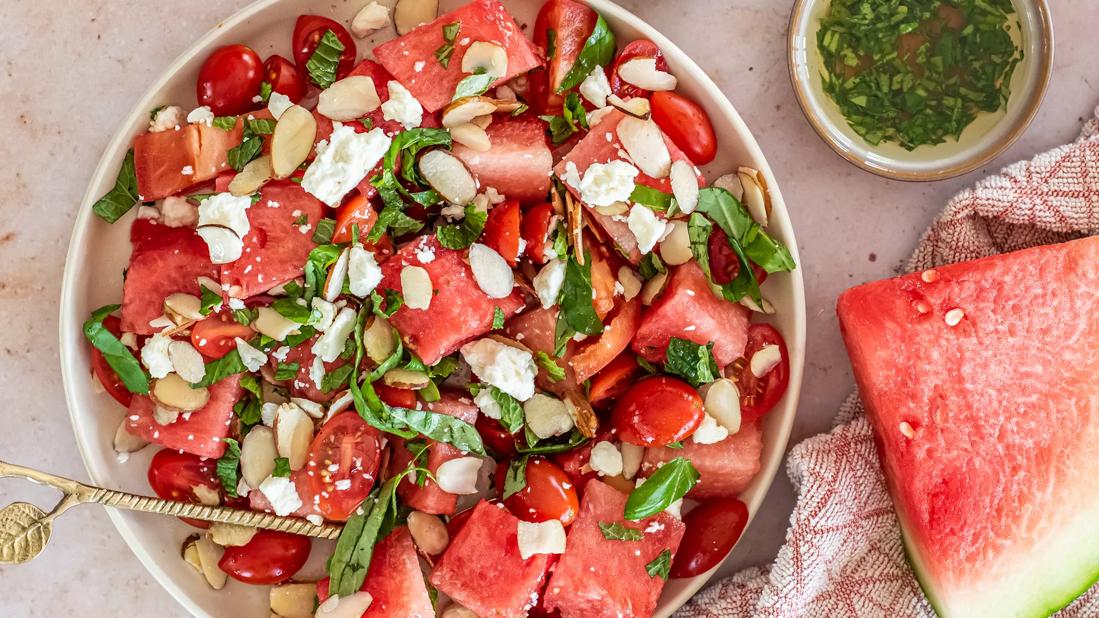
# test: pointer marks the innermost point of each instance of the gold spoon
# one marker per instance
(25, 528)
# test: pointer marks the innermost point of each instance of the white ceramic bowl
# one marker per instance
(98, 253)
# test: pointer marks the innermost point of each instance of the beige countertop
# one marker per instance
(70, 71)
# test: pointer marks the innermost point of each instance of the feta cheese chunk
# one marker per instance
(329, 345)
(168, 119)
(278, 104)
(459, 476)
(223, 224)
(646, 227)
(324, 313)
(488, 404)
(547, 537)
(252, 358)
(606, 459)
(595, 87)
(402, 107)
(709, 432)
(363, 272)
(603, 184)
(155, 355)
(549, 282)
(547, 416)
(509, 369)
(201, 115)
(342, 162)
(282, 494)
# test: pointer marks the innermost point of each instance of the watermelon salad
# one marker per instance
(471, 297)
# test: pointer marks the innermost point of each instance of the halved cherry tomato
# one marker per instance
(571, 23)
(357, 211)
(712, 530)
(284, 78)
(271, 557)
(396, 397)
(229, 80)
(309, 30)
(724, 264)
(107, 376)
(215, 336)
(174, 476)
(347, 442)
(657, 411)
(535, 231)
(641, 48)
(759, 395)
(502, 230)
(548, 494)
(495, 437)
(613, 380)
(687, 124)
(592, 356)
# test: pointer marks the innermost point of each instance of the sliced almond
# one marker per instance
(293, 433)
(638, 107)
(631, 283)
(652, 288)
(731, 183)
(180, 308)
(472, 136)
(411, 13)
(165, 416)
(378, 340)
(187, 361)
(448, 175)
(644, 142)
(766, 307)
(457, 611)
(189, 551)
(209, 554)
(126, 442)
(616, 209)
(482, 121)
(206, 495)
(312, 408)
(416, 287)
(257, 455)
(337, 275)
(175, 393)
(231, 535)
(466, 109)
(485, 57)
(722, 401)
(292, 140)
(350, 98)
(353, 606)
(574, 225)
(581, 412)
(642, 72)
(632, 455)
(491, 271)
(341, 403)
(459, 476)
(428, 532)
(252, 177)
(685, 186)
(756, 197)
(373, 16)
(272, 323)
(675, 249)
(406, 379)
(294, 600)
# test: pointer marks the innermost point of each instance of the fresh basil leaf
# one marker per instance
(305, 333)
(444, 367)
(613, 531)
(576, 299)
(389, 305)
(288, 371)
(669, 483)
(209, 300)
(561, 242)
(225, 123)
(325, 60)
(464, 233)
(117, 355)
(598, 51)
(473, 85)
(573, 118)
(244, 153)
(575, 439)
(250, 384)
(554, 371)
(515, 480)
(282, 467)
(292, 310)
(228, 467)
(336, 379)
(249, 411)
(265, 90)
(326, 227)
(316, 268)
(260, 126)
(350, 561)
(693, 362)
(651, 265)
(652, 198)
(123, 196)
(551, 43)
(518, 111)
(733, 219)
(441, 428)
(221, 368)
(675, 445)
(661, 566)
(511, 411)
(498, 318)
(245, 316)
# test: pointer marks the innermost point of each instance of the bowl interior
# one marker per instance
(99, 252)
(988, 135)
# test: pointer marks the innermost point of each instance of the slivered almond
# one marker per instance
(581, 412)
(293, 433)
(766, 307)
(406, 379)
(292, 140)
(472, 136)
(180, 308)
(482, 121)
(731, 183)
(173, 392)
(685, 186)
(411, 13)
(312, 408)
(294, 600)
(231, 535)
(491, 271)
(350, 98)
(257, 455)
(126, 442)
(378, 340)
(675, 249)
(722, 401)
(485, 57)
(652, 288)
(631, 283)
(189, 552)
(632, 455)
(337, 274)
(574, 225)
(756, 197)
(448, 175)
(209, 554)
(464, 110)
(644, 142)
(416, 287)
(642, 72)
(225, 245)
(615, 209)
(252, 177)
(638, 107)
(273, 324)
(428, 532)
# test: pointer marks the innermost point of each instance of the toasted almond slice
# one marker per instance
(165, 416)
(378, 340)
(293, 433)
(252, 177)
(582, 413)
(685, 186)
(180, 308)
(472, 136)
(631, 283)
(231, 535)
(756, 197)
(731, 183)
(411, 13)
(416, 287)
(257, 455)
(350, 98)
(126, 442)
(292, 140)
(464, 110)
(428, 532)
(644, 142)
(448, 175)
(312, 408)
(209, 554)
(485, 57)
(341, 403)
(722, 401)
(574, 225)
(652, 288)
(225, 245)
(632, 455)
(615, 209)
(175, 393)
(406, 379)
(337, 274)
(482, 121)
(189, 551)
(352, 606)
(272, 323)
(294, 600)
(457, 611)
(765, 359)
(765, 307)
(642, 72)
(373, 16)
(675, 249)
(459, 476)
(491, 271)
(187, 361)
(638, 107)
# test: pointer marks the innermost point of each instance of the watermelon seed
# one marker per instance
(954, 317)
(907, 430)
(923, 307)
(930, 276)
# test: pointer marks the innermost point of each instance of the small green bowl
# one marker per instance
(988, 135)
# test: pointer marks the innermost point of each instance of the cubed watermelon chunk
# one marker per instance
(459, 311)
(519, 163)
(482, 568)
(979, 380)
(433, 84)
(200, 432)
(277, 246)
(394, 580)
(688, 309)
(430, 498)
(168, 162)
(725, 468)
(165, 260)
(600, 577)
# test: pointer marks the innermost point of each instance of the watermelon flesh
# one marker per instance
(987, 430)
(482, 569)
(162, 159)
(600, 577)
(431, 498)
(394, 580)
(200, 432)
(725, 468)
(303, 385)
(519, 163)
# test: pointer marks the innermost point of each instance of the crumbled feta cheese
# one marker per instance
(342, 162)
(547, 416)
(509, 369)
(201, 115)
(267, 413)
(280, 353)
(363, 272)
(654, 527)
(491, 271)
(236, 304)
(187, 171)
(329, 345)
(595, 87)
(252, 358)
(425, 253)
(324, 313)
(402, 107)
(709, 432)
(371, 17)
(547, 537)
(317, 371)
(453, 212)
(459, 476)
(494, 197)
(223, 224)
(176, 211)
(278, 104)
(603, 184)
(488, 404)
(155, 355)
(282, 494)
(646, 227)
(549, 282)
(606, 459)
(342, 484)
(419, 66)
(167, 119)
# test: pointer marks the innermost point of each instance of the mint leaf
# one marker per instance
(336, 379)
(461, 235)
(498, 318)
(243, 154)
(225, 123)
(221, 368)
(446, 50)
(598, 51)
(210, 299)
(613, 531)
(282, 467)
(228, 467)
(661, 566)
(287, 371)
(573, 118)
(117, 355)
(292, 310)
(516, 478)
(577, 311)
(550, 366)
(652, 198)
(325, 60)
(511, 411)
(693, 362)
(120, 199)
(669, 483)
(316, 268)
(325, 229)
(473, 85)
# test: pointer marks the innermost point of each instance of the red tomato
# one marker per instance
(593, 356)
(712, 530)
(215, 336)
(687, 124)
(309, 30)
(759, 395)
(284, 78)
(724, 264)
(396, 397)
(502, 230)
(613, 380)
(495, 437)
(107, 376)
(352, 445)
(357, 211)
(641, 48)
(535, 231)
(572, 23)
(549, 493)
(174, 476)
(229, 80)
(657, 411)
(271, 557)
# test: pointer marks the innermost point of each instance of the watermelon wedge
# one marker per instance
(394, 580)
(979, 380)
(168, 162)
(200, 432)
(725, 468)
(431, 498)
(518, 164)
(601, 577)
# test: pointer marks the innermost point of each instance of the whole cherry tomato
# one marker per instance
(687, 124)
(309, 30)
(712, 529)
(229, 80)
(271, 557)
(534, 229)
(501, 232)
(759, 395)
(284, 78)
(354, 447)
(107, 376)
(182, 477)
(657, 411)
(495, 437)
(548, 494)
(216, 335)
(724, 264)
(641, 48)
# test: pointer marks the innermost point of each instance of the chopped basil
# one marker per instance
(221, 368)
(287, 371)
(316, 268)
(554, 371)
(498, 318)
(613, 531)
(405, 148)
(336, 379)
(646, 365)
(451, 30)
(669, 483)
(441, 428)
(245, 316)
(577, 311)
(265, 90)
(675, 445)
(515, 480)
(260, 126)
(389, 305)
(551, 43)
(523, 107)
(210, 299)
(243, 154)
(446, 50)
(367, 122)
(574, 439)
(117, 355)
(123, 196)
(573, 118)
(225, 123)
(660, 566)
(464, 233)
(511, 411)
(282, 467)
(292, 310)
(323, 233)
(249, 406)
(325, 60)
(228, 467)
(731, 216)
(693, 362)
(304, 334)
(598, 51)
(473, 85)
(652, 198)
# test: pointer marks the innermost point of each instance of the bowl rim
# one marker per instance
(71, 354)
(978, 157)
